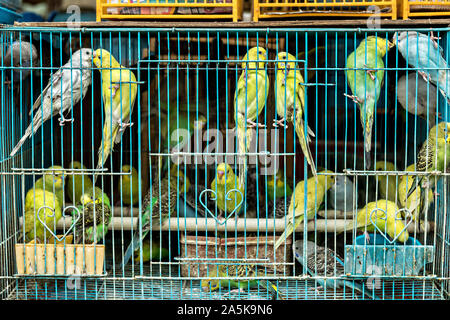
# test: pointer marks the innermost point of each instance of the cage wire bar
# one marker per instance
(161, 228)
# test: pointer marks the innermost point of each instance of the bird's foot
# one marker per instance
(439, 114)
(354, 98)
(280, 122)
(252, 124)
(436, 194)
(63, 120)
(370, 73)
(367, 236)
(124, 125)
(434, 38)
(114, 89)
(240, 290)
(426, 77)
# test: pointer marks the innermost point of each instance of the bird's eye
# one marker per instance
(283, 57)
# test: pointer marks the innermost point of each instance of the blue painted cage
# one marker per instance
(184, 225)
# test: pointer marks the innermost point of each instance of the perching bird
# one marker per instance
(324, 262)
(20, 54)
(34, 200)
(65, 88)
(238, 271)
(119, 89)
(290, 102)
(278, 189)
(366, 84)
(53, 181)
(385, 215)
(185, 183)
(423, 52)
(249, 100)
(225, 181)
(158, 205)
(434, 155)
(150, 252)
(314, 198)
(415, 203)
(96, 214)
(77, 184)
(387, 184)
(426, 96)
(129, 185)
(342, 196)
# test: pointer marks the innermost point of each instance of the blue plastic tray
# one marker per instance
(380, 257)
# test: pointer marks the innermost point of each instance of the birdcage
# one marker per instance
(193, 200)
(277, 9)
(411, 9)
(156, 9)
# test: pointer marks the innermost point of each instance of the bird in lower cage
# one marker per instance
(423, 52)
(383, 216)
(316, 188)
(158, 205)
(387, 184)
(229, 191)
(278, 189)
(22, 56)
(35, 200)
(249, 101)
(366, 84)
(52, 182)
(342, 196)
(415, 203)
(434, 155)
(421, 96)
(95, 217)
(235, 272)
(151, 251)
(324, 262)
(65, 88)
(290, 102)
(119, 89)
(77, 184)
(129, 185)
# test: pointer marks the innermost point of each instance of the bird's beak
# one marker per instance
(394, 39)
(220, 174)
(94, 54)
(206, 288)
(448, 139)
(391, 44)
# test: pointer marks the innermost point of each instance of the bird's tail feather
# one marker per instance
(304, 145)
(367, 137)
(273, 290)
(132, 247)
(413, 186)
(32, 128)
(288, 231)
(444, 83)
(105, 148)
(244, 147)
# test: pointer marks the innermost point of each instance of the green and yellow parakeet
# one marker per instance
(290, 102)
(151, 251)
(34, 200)
(129, 185)
(414, 202)
(52, 181)
(225, 181)
(238, 271)
(77, 183)
(388, 221)
(387, 184)
(119, 89)
(278, 189)
(158, 205)
(185, 183)
(249, 100)
(314, 198)
(95, 217)
(434, 155)
(366, 84)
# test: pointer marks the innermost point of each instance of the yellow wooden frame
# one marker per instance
(339, 4)
(406, 8)
(236, 5)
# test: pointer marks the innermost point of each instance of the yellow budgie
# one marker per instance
(290, 95)
(249, 100)
(119, 88)
(387, 184)
(315, 196)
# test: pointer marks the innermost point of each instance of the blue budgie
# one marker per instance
(341, 194)
(423, 52)
(324, 262)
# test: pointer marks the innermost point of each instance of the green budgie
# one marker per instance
(249, 100)
(366, 84)
(129, 185)
(280, 189)
(387, 184)
(95, 217)
(77, 183)
(53, 182)
(151, 251)
(290, 95)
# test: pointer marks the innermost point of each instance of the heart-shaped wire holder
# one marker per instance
(227, 198)
(63, 215)
(398, 217)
